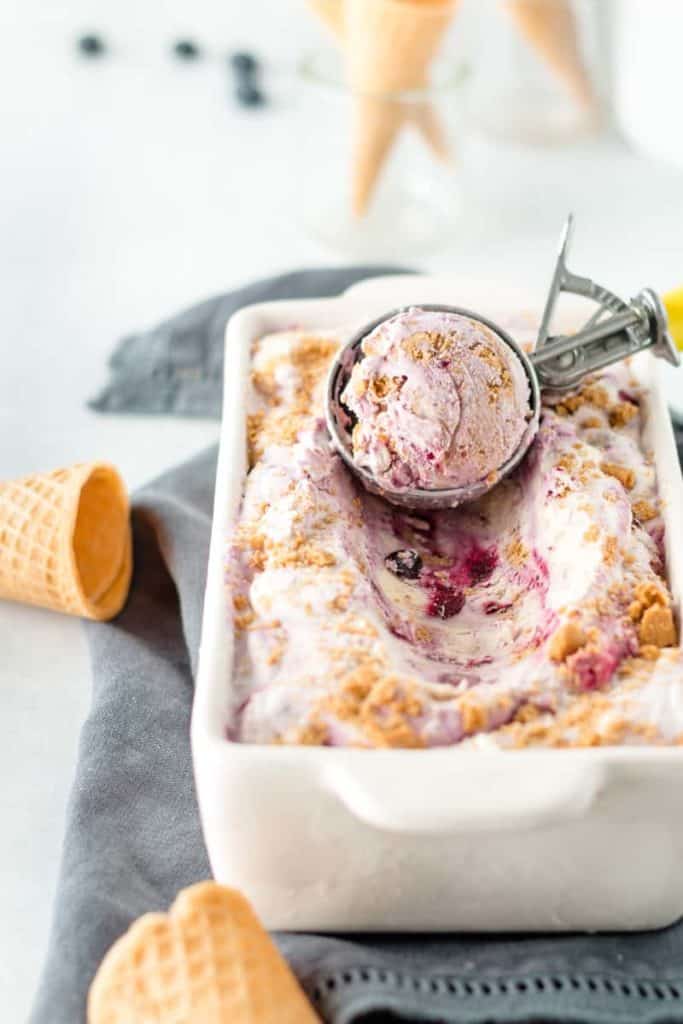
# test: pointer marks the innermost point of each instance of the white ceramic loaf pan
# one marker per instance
(443, 839)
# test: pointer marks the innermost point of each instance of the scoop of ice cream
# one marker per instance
(440, 401)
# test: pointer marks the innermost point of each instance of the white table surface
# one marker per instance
(131, 188)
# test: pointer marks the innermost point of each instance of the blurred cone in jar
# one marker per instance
(550, 27)
(425, 117)
(65, 540)
(389, 47)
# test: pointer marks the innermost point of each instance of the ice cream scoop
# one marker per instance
(440, 400)
(431, 405)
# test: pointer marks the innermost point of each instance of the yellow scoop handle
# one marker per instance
(673, 303)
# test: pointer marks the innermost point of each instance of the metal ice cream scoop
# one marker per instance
(617, 329)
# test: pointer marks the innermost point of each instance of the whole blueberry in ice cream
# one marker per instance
(405, 564)
(439, 399)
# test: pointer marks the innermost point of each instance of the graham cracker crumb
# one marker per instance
(296, 552)
(425, 345)
(380, 706)
(592, 533)
(590, 394)
(275, 655)
(517, 552)
(474, 716)
(314, 734)
(645, 595)
(567, 462)
(623, 474)
(282, 425)
(382, 386)
(643, 511)
(657, 627)
(622, 413)
(609, 550)
(591, 423)
(527, 713)
(649, 651)
(595, 394)
(254, 428)
(565, 641)
(244, 620)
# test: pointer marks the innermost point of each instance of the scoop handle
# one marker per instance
(561, 362)
(617, 329)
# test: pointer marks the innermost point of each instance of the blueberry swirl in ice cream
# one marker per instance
(439, 401)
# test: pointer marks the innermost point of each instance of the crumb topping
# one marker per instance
(624, 474)
(622, 413)
(566, 640)
(422, 346)
(381, 707)
(285, 416)
(657, 627)
(643, 510)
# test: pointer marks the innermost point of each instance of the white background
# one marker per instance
(132, 187)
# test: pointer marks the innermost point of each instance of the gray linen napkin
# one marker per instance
(133, 837)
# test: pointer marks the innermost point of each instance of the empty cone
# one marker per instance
(424, 116)
(208, 961)
(65, 540)
(550, 27)
(389, 46)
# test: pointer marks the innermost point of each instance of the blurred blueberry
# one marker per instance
(250, 96)
(91, 45)
(244, 63)
(186, 49)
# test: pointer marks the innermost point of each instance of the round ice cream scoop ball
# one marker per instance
(419, 478)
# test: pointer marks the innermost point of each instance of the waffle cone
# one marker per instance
(208, 961)
(550, 27)
(389, 44)
(65, 541)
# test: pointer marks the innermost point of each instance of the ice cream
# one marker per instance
(439, 401)
(538, 615)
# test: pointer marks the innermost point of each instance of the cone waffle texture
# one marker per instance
(390, 45)
(208, 961)
(550, 27)
(65, 540)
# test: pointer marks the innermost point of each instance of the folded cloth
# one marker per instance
(133, 837)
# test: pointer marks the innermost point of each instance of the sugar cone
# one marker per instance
(208, 961)
(65, 541)
(423, 115)
(550, 27)
(389, 46)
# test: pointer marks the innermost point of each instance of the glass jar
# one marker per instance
(376, 174)
(537, 69)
